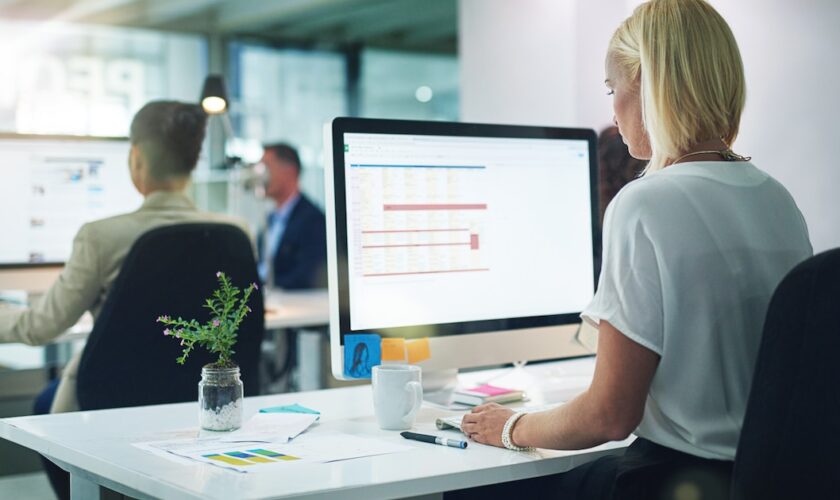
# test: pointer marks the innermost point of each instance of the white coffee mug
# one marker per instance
(397, 395)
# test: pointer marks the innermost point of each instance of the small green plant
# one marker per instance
(218, 334)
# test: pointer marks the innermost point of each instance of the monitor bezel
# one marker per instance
(343, 125)
(51, 137)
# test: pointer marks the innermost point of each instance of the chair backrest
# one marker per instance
(170, 270)
(790, 441)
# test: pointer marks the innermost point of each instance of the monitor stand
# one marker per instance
(438, 386)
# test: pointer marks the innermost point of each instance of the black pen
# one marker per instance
(455, 443)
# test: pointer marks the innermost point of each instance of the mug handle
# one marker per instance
(417, 400)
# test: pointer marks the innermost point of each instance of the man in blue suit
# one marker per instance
(293, 247)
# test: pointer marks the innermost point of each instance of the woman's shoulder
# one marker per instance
(659, 186)
(636, 195)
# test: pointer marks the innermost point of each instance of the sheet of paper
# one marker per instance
(271, 427)
(149, 447)
(334, 446)
(320, 447)
(179, 450)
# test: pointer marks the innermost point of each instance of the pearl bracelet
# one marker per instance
(507, 430)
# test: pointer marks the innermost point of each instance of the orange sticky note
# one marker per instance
(418, 350)
(393, 349)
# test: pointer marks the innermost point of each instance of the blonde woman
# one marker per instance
(692, 253)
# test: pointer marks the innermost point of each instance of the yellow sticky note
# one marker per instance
(393, 349)
(418, 350)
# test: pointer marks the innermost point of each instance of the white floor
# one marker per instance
(33, 486)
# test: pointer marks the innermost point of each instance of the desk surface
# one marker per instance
(97, 445)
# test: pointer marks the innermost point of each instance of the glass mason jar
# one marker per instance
(220, 398)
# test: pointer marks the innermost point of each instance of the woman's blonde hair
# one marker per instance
(690, 72)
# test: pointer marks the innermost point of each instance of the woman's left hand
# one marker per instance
(485, 423)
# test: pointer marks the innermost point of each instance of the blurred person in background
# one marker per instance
(293, 246)
(166, 139)
(616, 167)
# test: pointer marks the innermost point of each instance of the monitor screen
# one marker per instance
(444, 229)
(53, 185)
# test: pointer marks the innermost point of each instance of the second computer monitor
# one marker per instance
(478, 237)
(51, 185)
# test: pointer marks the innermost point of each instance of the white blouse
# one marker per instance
(691, 257)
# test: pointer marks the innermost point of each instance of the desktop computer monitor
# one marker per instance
(50, 186)
(477, 237)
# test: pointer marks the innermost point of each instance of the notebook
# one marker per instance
(486, 394)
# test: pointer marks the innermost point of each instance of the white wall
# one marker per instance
(515, 65)
(541, 62)
(790, 124)
(536, 62)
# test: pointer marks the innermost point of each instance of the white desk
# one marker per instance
(96, 448)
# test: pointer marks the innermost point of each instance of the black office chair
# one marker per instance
(790, 441)
(171, 270)
(127, 360)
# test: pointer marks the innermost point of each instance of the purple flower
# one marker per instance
(166, 332)
(177, 335)
(256, 287)
(216, 322)
(218, 274)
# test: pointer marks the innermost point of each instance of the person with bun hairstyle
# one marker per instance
(692, 253)
(166, 138)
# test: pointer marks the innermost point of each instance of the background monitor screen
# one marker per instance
(445, 228)
(53, 185)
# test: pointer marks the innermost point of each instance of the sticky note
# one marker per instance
(295, 408)
(361, 353)
(393, 349)
(418, 350)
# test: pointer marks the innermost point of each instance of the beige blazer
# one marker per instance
(98, 253)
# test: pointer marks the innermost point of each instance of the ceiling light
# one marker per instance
(424, 93)
(214, 95)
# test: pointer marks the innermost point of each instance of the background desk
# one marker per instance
(283, 309)
(96, 448)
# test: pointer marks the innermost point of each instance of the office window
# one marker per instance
(408, 85)
(287, 95)
(90, 80)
